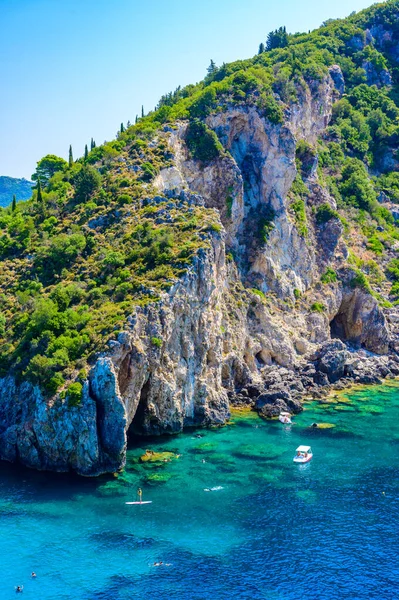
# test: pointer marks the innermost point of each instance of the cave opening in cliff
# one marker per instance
(338, 327)
(137, 425)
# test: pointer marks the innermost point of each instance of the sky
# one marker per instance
(75, 69)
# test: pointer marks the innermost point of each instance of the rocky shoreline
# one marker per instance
(335, 366)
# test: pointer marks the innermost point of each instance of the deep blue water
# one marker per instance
(276, 531)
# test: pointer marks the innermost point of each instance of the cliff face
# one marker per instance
(163, 374)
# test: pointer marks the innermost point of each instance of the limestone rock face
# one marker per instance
(360, 321)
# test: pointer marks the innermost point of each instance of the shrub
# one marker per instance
(86, 181)
(203, 105)
(329, 276)
(202, 142)
(325, 213)
(124, 199)
(375, 245)
(60, 253)
(297, 293)
(266, 224)
(356, 188)
(74, 393)
(258, 293)
(298, 207)
(271, 108)
(317, 307)
(360, 281)
(155, 341)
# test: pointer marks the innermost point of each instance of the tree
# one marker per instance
(128, 124)
(137, 118)
(142, 111)
(70, 161)
(122, 128)
(14, 203)
(86, 182)
(277, 39)
(92, 144)
(47, 167)
(212, 68)
(261, 48)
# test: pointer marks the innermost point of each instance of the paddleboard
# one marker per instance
(143, 502)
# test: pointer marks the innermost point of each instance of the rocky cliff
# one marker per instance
(273, 307)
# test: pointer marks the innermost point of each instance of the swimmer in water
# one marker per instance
(33, 574)
(19, 588)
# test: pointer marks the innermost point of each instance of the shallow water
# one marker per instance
(276, 531)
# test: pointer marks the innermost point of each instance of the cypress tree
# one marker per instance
(122, 128)
(137, 118)
(14, 203)
(92, 144)
(212, 67)
(39, 192)
(86, 152)
(261, 48)
(70, 156)
(142, 111)
(128, 124)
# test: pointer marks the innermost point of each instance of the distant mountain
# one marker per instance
(9, 186)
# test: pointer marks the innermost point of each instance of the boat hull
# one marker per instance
(303, 459)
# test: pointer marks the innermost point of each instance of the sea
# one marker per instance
(231, 515)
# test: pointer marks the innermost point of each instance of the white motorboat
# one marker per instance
(303, 454)
(285, 417)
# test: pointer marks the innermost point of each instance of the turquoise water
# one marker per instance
(276, 531)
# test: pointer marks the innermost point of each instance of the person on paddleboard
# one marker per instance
(140, 494)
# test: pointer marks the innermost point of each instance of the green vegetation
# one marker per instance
(297, 293)
(258, 293)
(317, 307)
(203, 142)
(325, 213)
(329, 276)
(265, 224)
(298, 208)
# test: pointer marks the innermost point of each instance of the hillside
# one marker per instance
(9, 186)
(237, 245)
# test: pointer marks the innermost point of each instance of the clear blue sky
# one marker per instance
(74, 69)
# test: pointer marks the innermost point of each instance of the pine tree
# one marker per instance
(261, 48)
(128, 124)
(122, 128)
(277, 39)
(14, 203)
(70, 156)
(86, 153)
(142, 111)
(212, 68)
